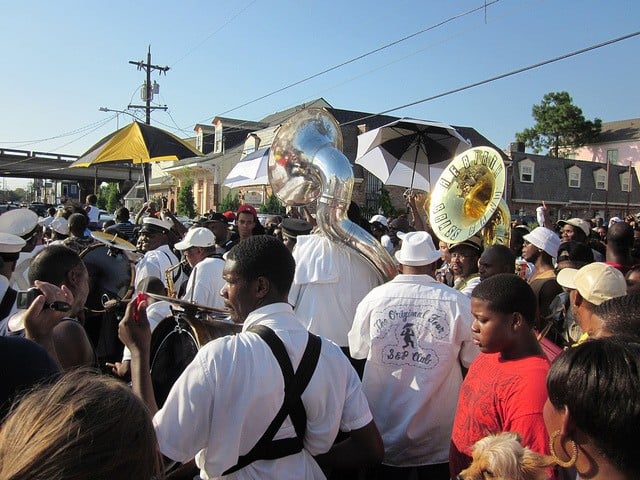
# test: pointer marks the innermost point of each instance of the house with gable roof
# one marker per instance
(228, 141)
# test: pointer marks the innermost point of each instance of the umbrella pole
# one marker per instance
(145, 180)
(415, 165)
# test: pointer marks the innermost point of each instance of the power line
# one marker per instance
(501, 76)
(189, 52)
(360, 57)
(26, 143)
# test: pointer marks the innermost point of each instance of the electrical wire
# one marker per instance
(360, 57)
(501, 76)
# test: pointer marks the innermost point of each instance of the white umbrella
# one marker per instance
(251, 170)
(402, 152)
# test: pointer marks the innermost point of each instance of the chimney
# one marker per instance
(516, 147)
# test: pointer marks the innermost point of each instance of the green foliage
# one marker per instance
(229, 202)
(560, 126)
(273, 205)
(384, 202)
(186, 203)
(109, 197)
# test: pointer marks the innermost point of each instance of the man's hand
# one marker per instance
(134, 330)
(39, 321)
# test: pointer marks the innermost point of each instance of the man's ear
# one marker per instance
(517, 320)
(263, 287)
(72, 277)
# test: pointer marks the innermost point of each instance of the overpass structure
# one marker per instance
(55, 166)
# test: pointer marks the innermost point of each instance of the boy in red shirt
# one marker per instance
(505, 388)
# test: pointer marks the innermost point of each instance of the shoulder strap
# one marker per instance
(7, 302)
(294, 385)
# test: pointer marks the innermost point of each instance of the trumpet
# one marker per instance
(168, 275)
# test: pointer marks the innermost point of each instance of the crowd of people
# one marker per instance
(337, 372)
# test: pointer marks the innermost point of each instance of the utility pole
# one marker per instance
(148, 92)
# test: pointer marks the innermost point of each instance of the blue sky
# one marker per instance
(63, 60)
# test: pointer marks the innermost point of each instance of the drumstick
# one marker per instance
(110, 365)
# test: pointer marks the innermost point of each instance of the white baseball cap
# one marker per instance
(379, 218)
(197, 237)
(596, 282)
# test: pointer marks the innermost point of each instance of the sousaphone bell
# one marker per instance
(467, 198)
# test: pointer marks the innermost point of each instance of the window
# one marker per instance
(574, 179)
(217, 142)
(199, 137)
(612, 156)
(526, 168)
(624, 182)
(600, 177)
(574, 175)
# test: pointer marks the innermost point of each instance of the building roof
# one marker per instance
(551, 182)
(620, 131)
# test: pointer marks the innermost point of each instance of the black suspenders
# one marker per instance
(294, 384)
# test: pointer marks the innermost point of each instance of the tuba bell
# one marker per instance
(306, 164)
(467, 198)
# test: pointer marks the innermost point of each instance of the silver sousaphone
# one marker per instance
(306, 164)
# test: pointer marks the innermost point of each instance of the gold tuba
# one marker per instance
(305, 164)
(467, 198)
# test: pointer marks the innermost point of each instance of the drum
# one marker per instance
(174, 344)
(111, 275)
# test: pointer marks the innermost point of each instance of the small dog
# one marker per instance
(502, 457)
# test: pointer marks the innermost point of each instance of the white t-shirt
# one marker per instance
(329, 282)
(228, 395)
(415, 333)
(205, 283)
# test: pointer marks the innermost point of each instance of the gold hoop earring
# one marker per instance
(574, 451)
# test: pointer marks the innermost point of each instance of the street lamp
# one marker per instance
(105, 109)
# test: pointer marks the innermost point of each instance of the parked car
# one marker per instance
(103, 216)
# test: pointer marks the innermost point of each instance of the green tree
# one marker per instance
(229, 202)
(109, 197)
(273, 205)
(186, 204)
(384, 202)
(560, 126)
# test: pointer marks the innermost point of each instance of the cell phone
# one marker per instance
(25, 298)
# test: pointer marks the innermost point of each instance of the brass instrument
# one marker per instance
(168, 276)
(305, 164)
(467, 198)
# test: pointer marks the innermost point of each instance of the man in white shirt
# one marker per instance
(158, 258)
(415, 334)
(229, 394)
(205, 281)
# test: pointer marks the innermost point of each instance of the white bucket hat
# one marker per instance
(417, 249)
(545, 239)
(197, 237)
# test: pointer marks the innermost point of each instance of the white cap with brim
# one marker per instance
(596, 282)
(197, 237)
(380, 219)
(60, 225)
(417, 249)
(10, 243)
(151, 224)
(578, 223)
(20, 222)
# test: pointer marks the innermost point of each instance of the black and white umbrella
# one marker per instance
(403, 152)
